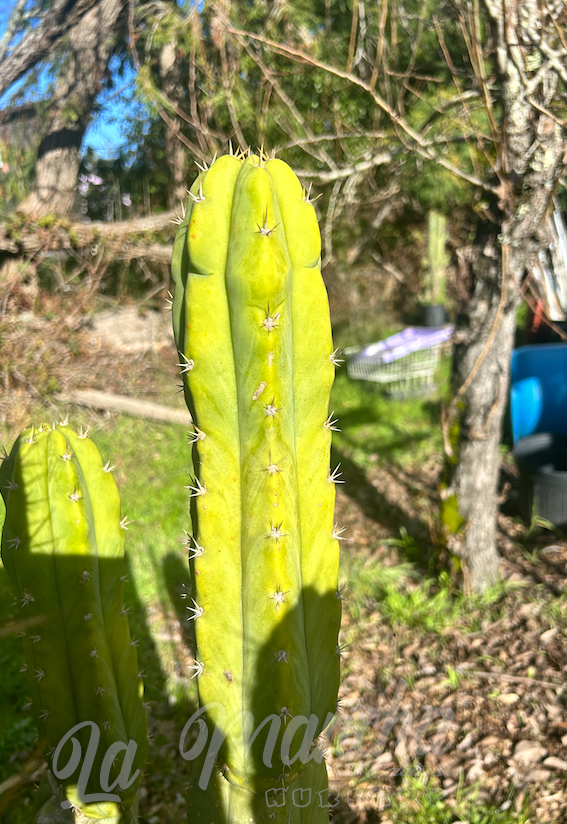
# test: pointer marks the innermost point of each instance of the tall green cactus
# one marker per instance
(63, 548)
(437, 258)
(251, 322)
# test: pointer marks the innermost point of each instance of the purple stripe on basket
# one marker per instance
(412, 339)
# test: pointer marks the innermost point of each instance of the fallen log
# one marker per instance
(108, 239)
(125, 405)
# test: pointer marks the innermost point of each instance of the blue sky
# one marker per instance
(105, 134)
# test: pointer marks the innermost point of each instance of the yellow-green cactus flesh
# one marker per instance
(251, 321)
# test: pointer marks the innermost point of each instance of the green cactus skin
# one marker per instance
(251, 321)
(437, 258)
(63, 548)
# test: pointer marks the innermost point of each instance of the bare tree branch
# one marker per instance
(150, 90)
(63, 15)
(401, 126)
(346, 171)
(269, 76)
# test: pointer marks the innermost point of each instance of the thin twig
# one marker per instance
(518, 679)
(149, 88)
(398, 122)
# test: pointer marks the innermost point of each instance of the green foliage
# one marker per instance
(47, 222)
(236, 97)
(377, 428)
(416, 802)
(405, 600)
(159, 517)
(451, 518)
(17, 161)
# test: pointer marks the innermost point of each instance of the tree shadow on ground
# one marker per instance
(375, 504)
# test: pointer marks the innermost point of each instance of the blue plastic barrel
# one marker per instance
(538, 401)
(538, 394)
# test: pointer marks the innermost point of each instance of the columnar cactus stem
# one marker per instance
(63, 547)
(251, 316)
(437, 258)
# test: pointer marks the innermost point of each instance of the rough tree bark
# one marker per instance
(62, 15)
(532, 153)
(88, 48)
(170, 75)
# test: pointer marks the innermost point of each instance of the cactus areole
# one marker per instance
(251, 322)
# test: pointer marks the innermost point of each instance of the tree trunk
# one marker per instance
(36, 45)
(169, 69)
(532, 151)
(481, 375)
(88, 48)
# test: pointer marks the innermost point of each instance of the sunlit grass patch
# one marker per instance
(421, 801)
(405, 599)
(375, 426)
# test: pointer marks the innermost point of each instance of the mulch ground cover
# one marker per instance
(484, 707)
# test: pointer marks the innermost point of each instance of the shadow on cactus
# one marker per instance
(251, 322)
(282, 761)
(63, 548)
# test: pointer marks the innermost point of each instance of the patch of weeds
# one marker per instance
(494, 694)
(414, 802)
(538, 523)
(424, 556)
(454, 677)
(411, 549)
(369, 584)
(405, 599)
(555, 611)
(374, 586)
(422, 608)
(491, 659)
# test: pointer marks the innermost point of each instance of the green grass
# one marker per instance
(376, 427)
(407, 600)
(415, 803)
(555, 611)
(152, 463)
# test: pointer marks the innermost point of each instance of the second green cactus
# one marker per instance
(251, 321)
(63, 548)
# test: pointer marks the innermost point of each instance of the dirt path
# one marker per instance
(130, 330)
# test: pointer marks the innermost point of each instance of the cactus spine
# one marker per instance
(251, 321)
(63, 548)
